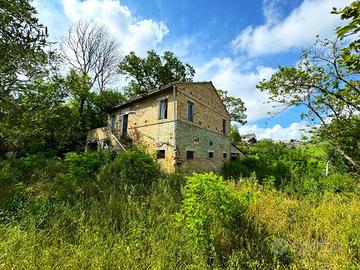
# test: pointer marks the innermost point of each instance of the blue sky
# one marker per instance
(232, 43)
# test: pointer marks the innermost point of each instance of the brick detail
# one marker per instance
(201, 141)
(176, 134)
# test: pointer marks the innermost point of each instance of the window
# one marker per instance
(224, 126)
(211, 143)
(211, 154)
(224, 155)
(189, 155)
(124, 126)
(160, 154)
(112, 123)
(190, 111)
(163, 109)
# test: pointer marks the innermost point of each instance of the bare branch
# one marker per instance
(88, 47)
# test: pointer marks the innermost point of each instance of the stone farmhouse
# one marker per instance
(185, 124)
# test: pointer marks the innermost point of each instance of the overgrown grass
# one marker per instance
(298, 233)
(104, 210)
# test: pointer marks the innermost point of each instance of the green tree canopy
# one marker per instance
(329, 91)
(22, 43)
(153, 71)
(235, 135)
(350, 56)
(235, 106)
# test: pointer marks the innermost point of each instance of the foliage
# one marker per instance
(350, 54)
(55, 116)
(326, 81)
(22, 61)
(22, 45)
(235, 135)
(102, 102)
(235, 106)
(329, 91)
(206, 201)
(134, 167)
(99, 210)
(298, 233)
(150, 73)
(297, 170)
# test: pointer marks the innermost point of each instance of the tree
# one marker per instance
(78, 85)
(22, 43)
(326, 81)
(350, 54)
(90, 49)
(326, 87)
(41, 123)
(22, 60)
(235, 106)
(89, 108)
(101, 103)
(235, 135)
(150, 73)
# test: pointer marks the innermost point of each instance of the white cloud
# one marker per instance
(271, 11)
(277, 132)
(225, 74)
(297, 30)
(134, 35)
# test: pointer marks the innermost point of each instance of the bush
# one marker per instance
(299, 171)
(134, 167)
(339, 183)
(208, 205)
(88, 163)
(15, 175)
(238, 168)
(79, 179)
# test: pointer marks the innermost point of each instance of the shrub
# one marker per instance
(15, 175)
(134, 167)
(339, 183)
(207, 206)
(88, 162)
(79, 178)
(238, 168)
(299, 171)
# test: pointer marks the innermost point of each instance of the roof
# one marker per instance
(141, 97)
(163, 88)
(233, 145)
(248, 135)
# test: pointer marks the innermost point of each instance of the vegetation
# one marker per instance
(99, 210)
(152, 72)
(235, 106)
(326, 81)
(60, 208)
(90, 49)
(298, 171)
(350, 54)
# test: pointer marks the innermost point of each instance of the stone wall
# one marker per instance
(209, 111)
(145, 128)
(201, 141)
(205, 133)
(176, 135)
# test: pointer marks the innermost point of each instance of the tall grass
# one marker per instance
(93, 211)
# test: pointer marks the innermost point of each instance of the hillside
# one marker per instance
(108, 210)
(102, 127)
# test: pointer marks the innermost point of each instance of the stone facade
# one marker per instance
(204, 135)
(196, 145)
